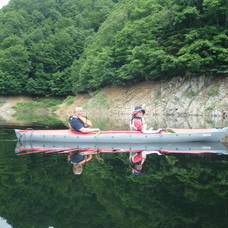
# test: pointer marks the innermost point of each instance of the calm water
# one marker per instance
(176, 190)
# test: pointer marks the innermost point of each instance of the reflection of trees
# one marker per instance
(39, 190)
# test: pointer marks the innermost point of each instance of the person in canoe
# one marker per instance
(138, 122)
(79, 122)
(78, 159)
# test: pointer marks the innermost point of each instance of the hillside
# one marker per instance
(61, 48)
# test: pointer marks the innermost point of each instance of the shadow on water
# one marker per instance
(176, 185)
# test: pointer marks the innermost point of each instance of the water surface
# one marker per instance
(179, 190)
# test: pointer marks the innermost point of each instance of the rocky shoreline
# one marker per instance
(206, 95)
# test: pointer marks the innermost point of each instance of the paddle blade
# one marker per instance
(170, 131)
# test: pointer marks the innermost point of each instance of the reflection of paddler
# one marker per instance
(78, 160)
(136, 161)
(138, 158)
(80, 123)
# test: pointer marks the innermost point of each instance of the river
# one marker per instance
(175, 190)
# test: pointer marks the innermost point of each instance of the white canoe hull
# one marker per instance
(179, 135)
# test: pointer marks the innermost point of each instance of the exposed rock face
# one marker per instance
(205, 95)
(202, 95)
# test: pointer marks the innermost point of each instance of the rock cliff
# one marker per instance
(205, 95)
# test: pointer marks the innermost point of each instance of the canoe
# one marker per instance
(28, 147)
(175, 135)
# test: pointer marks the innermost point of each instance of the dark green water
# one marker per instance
(40, 190)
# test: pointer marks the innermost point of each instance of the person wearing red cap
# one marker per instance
(137, 122)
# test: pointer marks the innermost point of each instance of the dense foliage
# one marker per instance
(60, 47)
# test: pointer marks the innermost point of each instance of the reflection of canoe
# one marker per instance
(177, 135)
(190, 147)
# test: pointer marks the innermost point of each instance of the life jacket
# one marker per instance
(132, 127)
(84, 119)
(136, 158)
(74, 158)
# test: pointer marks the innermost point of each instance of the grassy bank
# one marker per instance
(38, 104)
(39, 110)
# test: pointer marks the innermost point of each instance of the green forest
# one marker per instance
(64, 47)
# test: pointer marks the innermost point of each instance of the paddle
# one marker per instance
(98, 132)
(169, 130)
